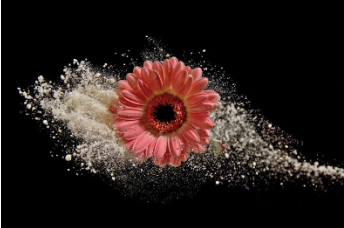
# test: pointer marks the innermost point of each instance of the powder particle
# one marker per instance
(68, 157)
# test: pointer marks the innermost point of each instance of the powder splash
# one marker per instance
(244, 151)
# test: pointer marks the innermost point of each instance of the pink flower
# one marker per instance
(163, 111)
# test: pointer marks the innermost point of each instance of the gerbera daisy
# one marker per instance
(163, 111)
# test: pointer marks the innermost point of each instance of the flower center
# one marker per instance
(165, 113)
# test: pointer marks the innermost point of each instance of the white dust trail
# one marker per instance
(75, 110)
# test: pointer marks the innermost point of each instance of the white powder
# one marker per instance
(77, 111)
(68, 157)
(251, 149)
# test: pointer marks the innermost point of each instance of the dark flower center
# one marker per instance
(165, 113)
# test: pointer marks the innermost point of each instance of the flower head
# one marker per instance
(163, 111)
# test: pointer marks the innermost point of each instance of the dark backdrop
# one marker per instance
(292, 70)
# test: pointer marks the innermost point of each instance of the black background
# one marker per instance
(290, 68)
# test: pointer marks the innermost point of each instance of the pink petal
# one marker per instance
(212, 95)
(205, 141)
(185, 146)
(196, 74)
(205, 123)
(179, 80)
(141, 156)
(127, 103)
(151, 147)
(214, 103)
(157, 80)
(113, 108)
(190, 134)
(148, 155)
(186, 87)
(199, 148)
(174, 145)
(176, 68)
(144, 88)
(115, 117)
(198, 86)
(132, 80)
(188, 69)
(132, 97)
(203, 133)
(161, 161)
(214, 106)
(199, 115)
(148, 64)
(146, 76)
(158, 67)
(130, 114)
(175, 161)
(196, 99)
(134, 132)
(129, 144)
(160, 147)
(164, 160)
(137, 72)
(123, 126)
(205, 106)
(174, 60)
(167, 68)
(184, 157)
(123, 84)
(143, 141)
